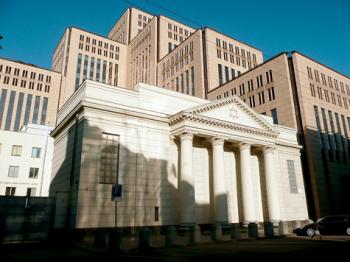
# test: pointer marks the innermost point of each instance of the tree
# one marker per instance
(0, 39)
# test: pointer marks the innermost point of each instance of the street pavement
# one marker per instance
(290, 247)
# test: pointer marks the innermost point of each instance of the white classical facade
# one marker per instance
(26, 161)
(180, 160)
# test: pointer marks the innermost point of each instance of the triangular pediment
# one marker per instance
(233, 110)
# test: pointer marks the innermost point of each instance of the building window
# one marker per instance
(292, 178)
(10, 191)
(220, 74)
(36, 109)
(109, 163)
(317, 118)
(271, 92)
(169, 47)
(28, 107)
(31, 191)
(44, 111)
(233, 74)
(92, 66)
(16, 150)
(13, 171)
(77, 77)
(192, 80)
(2, 103)
(156, 214)
(10, 110)
(227, 77)
(36, 152)
(33, 172)
(187, 82)
(19, 111)
(98, 69)
(86, 62)
(274, 116)
(104, 70)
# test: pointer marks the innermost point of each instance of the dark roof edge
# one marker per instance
(75, 27)
(207, 27)
(294, 51)
(28, 64)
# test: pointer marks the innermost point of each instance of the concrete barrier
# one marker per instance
(115, 239)
(170, 236)
(253, 230)
(216, 232)
(195, 234)
(145, 238)
(269, 230)
(235, 231)
(100, 240)
(283, 226)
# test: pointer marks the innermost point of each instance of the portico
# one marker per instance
(241, 139)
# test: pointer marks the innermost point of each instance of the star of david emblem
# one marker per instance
(233, 113)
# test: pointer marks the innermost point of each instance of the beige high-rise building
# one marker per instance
(129, 25)
(302, 93)
(28, 95)
(83, 55)
(158, 54)
(147, 48)
(214, 57)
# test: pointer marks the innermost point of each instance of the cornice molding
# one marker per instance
(179, 117)
(232, 100)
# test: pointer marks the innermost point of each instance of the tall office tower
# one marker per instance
(160, 53)
(28, 95)
(205, 60)
(83, 55)
(149, 38)
(129, 25)
(302, 93)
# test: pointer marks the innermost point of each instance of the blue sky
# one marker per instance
(320, 29)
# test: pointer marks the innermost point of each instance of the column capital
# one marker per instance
(217, 141)
(186, 136)
(268, 149)
(244, 146)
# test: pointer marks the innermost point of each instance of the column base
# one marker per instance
(253, 231)
(269, 230)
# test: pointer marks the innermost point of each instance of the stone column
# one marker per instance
(187, 181)
(247, 183)
(219, 183)
(271, 186)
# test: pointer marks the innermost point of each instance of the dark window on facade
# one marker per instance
(19, 111)
(28, 108)
(10, 110)
(109, 159)
(44, 111)
(274, 116)
(36, 110)
(220, 74)
(2, 103)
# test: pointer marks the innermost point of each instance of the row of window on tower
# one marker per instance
(335, 142)
(31, 114)
(96, 69)
(328, 81)
(329, 96)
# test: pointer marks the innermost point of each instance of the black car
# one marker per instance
(329, 225)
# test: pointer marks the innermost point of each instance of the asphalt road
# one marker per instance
(335, 247)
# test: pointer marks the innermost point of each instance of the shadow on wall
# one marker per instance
(150, 184)
(326, 173)
(149, 196)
